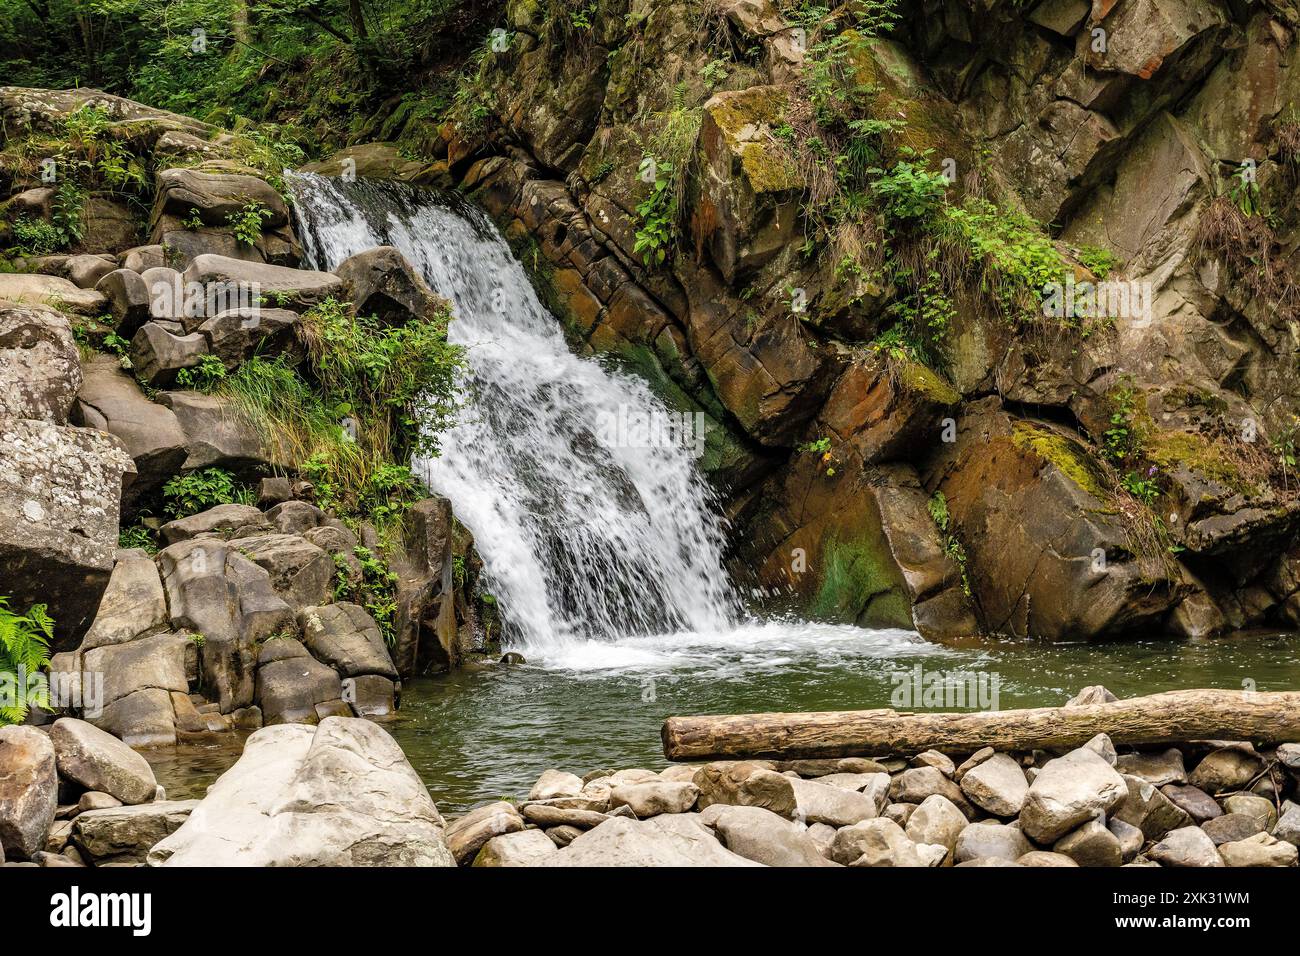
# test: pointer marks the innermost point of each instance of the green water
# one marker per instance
(488, 732)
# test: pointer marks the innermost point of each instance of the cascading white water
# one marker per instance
(581, 537)
(603, 553)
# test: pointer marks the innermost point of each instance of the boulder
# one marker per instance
(100, 762)
(370, 695)
(382, 283)
(1045, 858)
(523, 848)
(52, 292)
(1196, 803)
(821, 803)
(125, 835)
(29, 791)
(129, 300)
(40, 368)
(1186, 847)
(216, 190)
(990, 841)
(140, 664)
(466, 836)
(1257, 808)
(762, 836)
(997, 785)
(217, 592)
(666, 840)
(1092, 844)
(111, 401)
(301, 573)
(290, 685)
(222, 520)
(745, 784)
(1259, 850)
(1228, 769)
(654, 797)
(133, 604)
(1158, 769)
(296, 289)
(236, 335)
(1148, 809)
(60, 490)
(546, 815)
(937, 821)
(143, 718)
(85, 271)
(340, 794)
(157, 355)
(1232, 827)
(347, 638)
(1069, 791)
(219, 435)
(555, 783)
(877, 842)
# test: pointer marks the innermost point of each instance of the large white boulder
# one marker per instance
(339, 794)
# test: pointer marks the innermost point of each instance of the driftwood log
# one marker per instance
(1173, 717)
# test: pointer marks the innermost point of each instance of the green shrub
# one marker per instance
(246, 223)
(200, 490)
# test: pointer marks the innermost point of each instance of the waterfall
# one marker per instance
(583, 539)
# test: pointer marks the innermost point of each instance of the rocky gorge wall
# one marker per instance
(1116, 468)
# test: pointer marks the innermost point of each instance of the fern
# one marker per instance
(24, 654)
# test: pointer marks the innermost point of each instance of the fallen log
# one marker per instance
(1172, 717)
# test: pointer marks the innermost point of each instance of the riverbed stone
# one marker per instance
(1288, 823)
(932, 758)
(29, 791)
(917, 783)
(1225, 770)
(547, 815)
(1146, 807)
(990, 840)
(821, 803)
(1091, 845)
(467, 835)
(143, 718)
(1069, 791)
(1232, 827)
(555, 783)
(1045, 858)
(666, 840)
(98, 761)
(1186, 847)
(936, 821)
(94, 800)
(1158, 769)
(1253, 806)
(745, 784)
(1131, 839)
(1259, 850)
(289, 689)
(1193, 801)
(762, 836)
(654, 797)
(1102, 746)
(877, 842)
(996, 785)
(370, 695)
(522, 848)
(339, 794)
(122, 835)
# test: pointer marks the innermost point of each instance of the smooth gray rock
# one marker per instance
(997, 785)
(467, 835)
(100, 762)
(666, 840)
(1069, 791)
(29, 791)
(1186, 847)
(340, 794)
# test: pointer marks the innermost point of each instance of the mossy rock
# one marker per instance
(1070, 456)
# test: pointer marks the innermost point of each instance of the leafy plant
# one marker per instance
(137, 536)
(658, 213)
(198, 491)
(24, 653)
(246, 222)
(36, 237)
(202, 377)
(952, 546)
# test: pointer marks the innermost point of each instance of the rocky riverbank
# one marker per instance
(342, 793)
(1198, 804)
